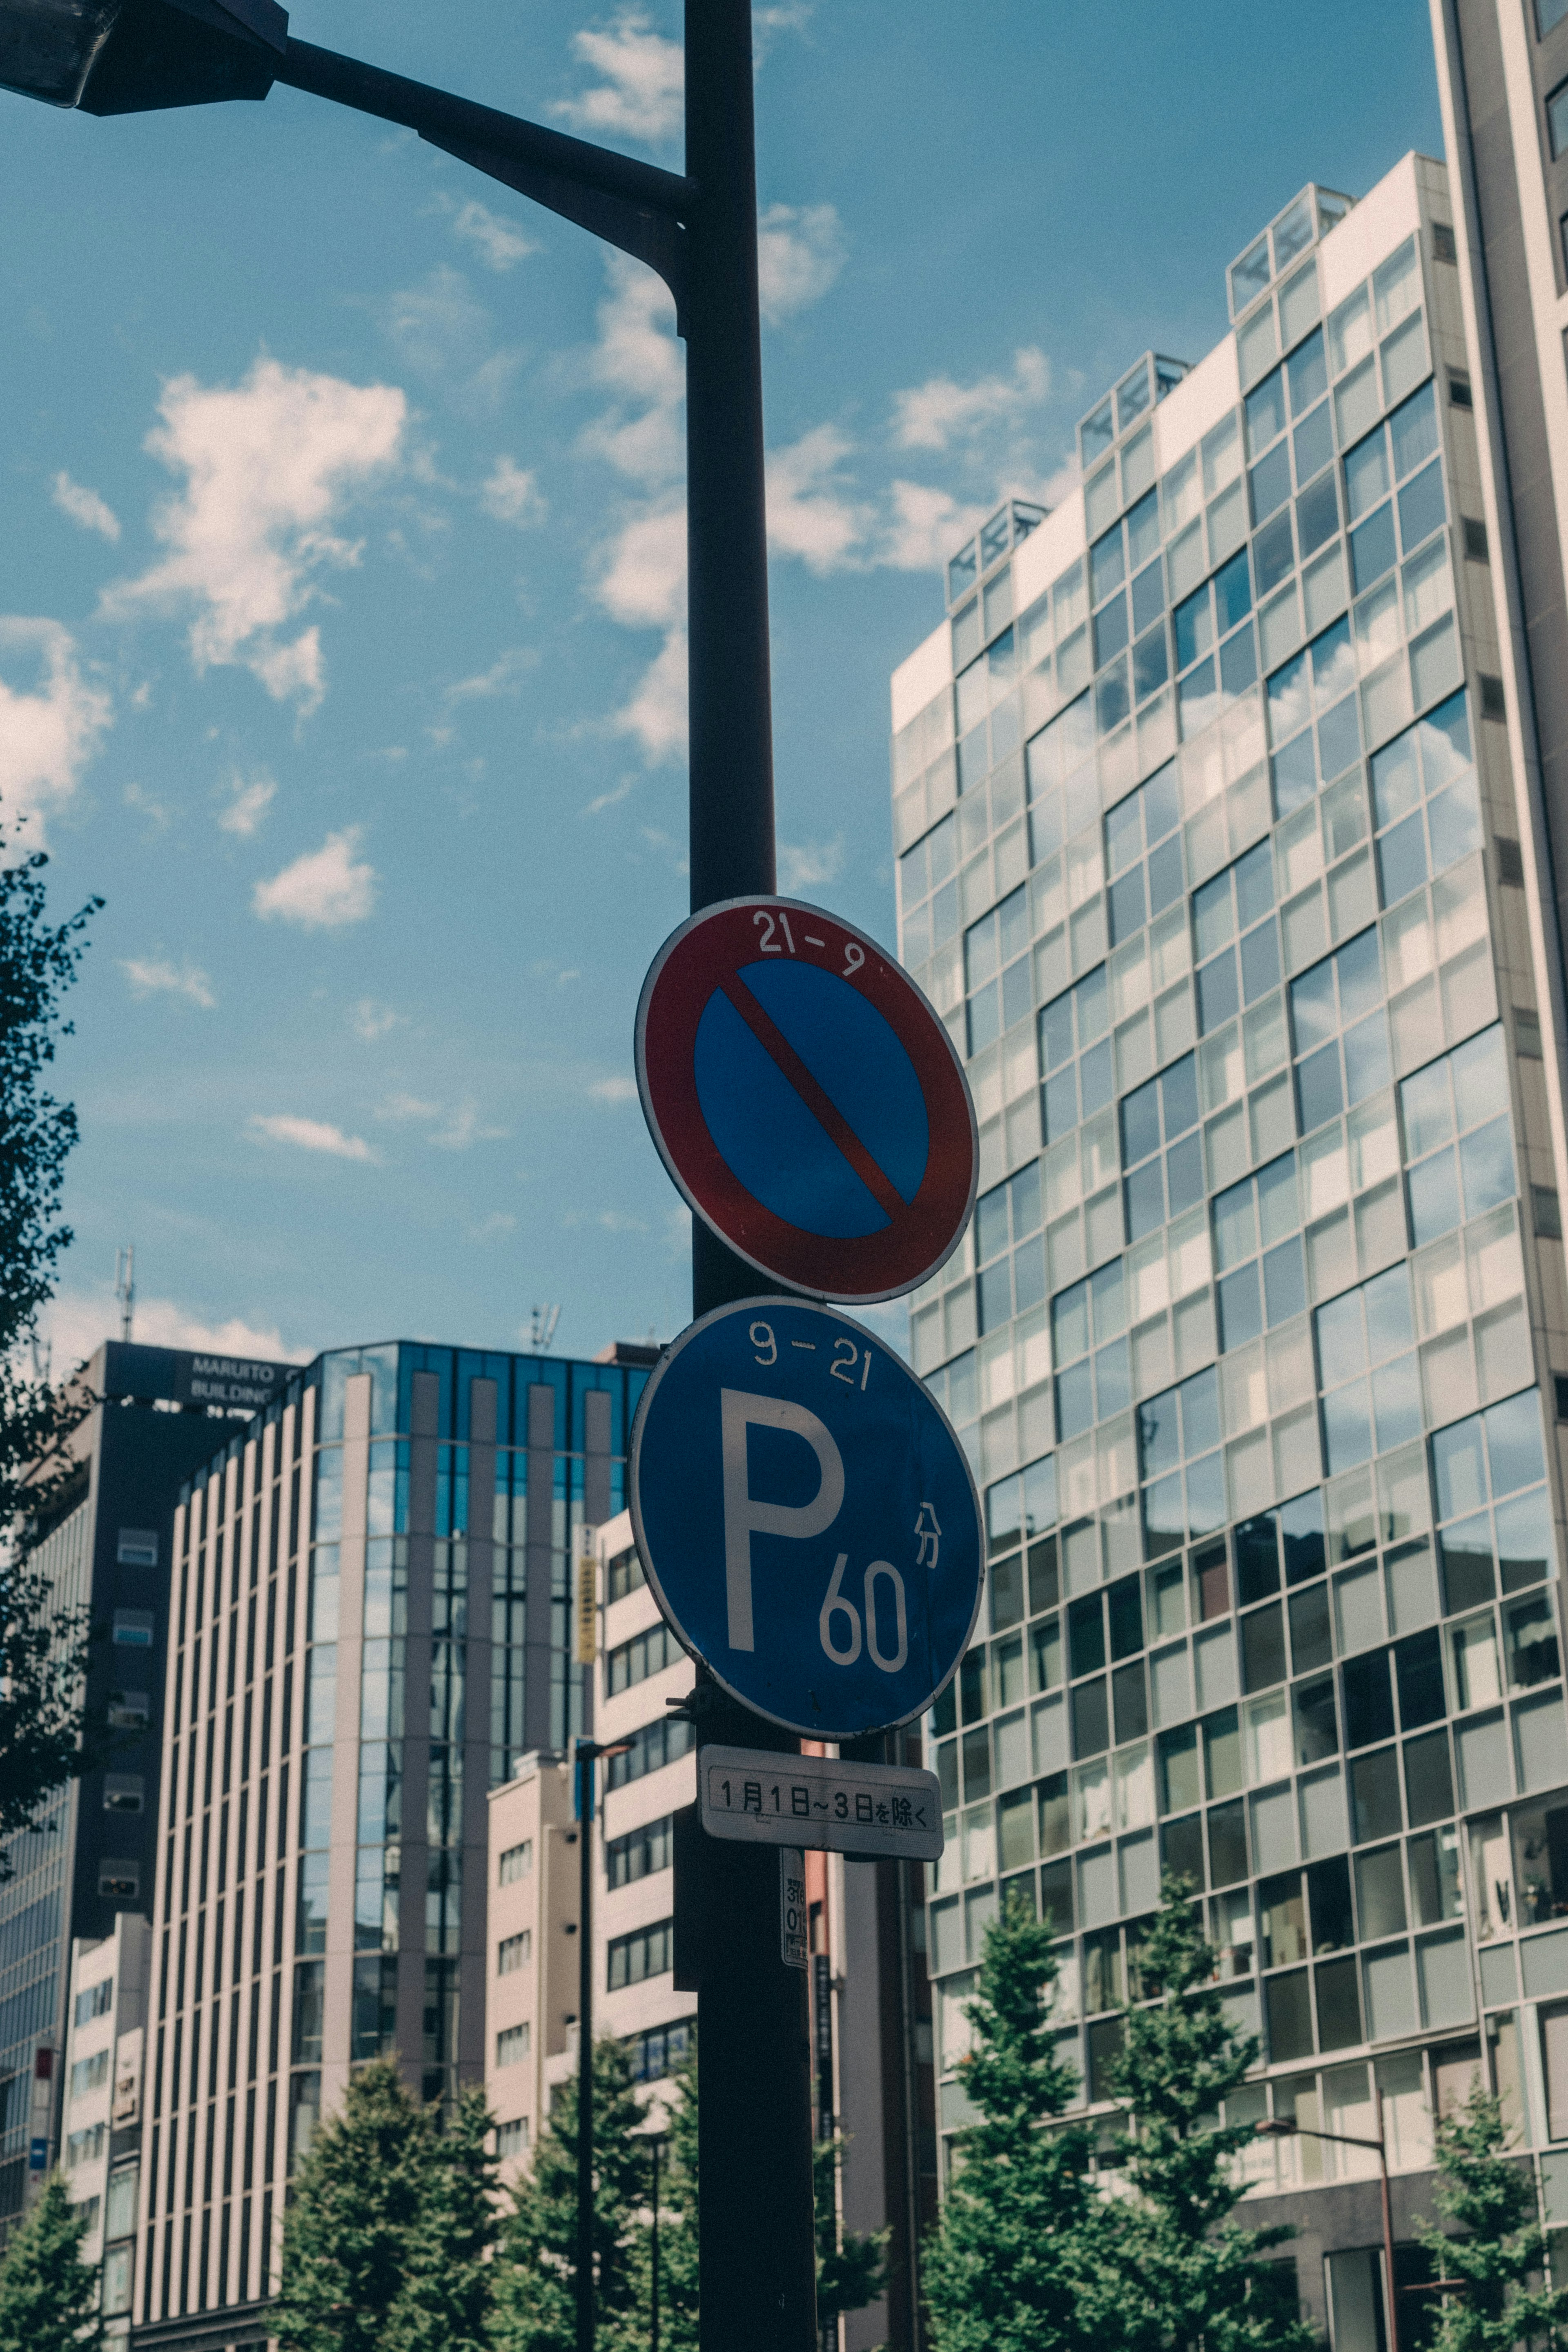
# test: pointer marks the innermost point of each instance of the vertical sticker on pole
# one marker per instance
(586, 1647)
(791, 1907)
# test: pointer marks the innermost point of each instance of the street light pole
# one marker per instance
(586, 1755)
(698, 231)
(1282, 2127)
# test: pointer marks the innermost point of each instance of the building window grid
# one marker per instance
(1349, 346)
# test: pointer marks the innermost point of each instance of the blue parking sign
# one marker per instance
(806, 1517)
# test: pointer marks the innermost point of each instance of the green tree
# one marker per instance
(536, 2281)
(49, 2295)
(360, 2197)
(43, 1647)
(1187, 2273)
(851, 2266)
(448, 2289)
(1499, 2248)
(1016, 2260)
(677, 2233)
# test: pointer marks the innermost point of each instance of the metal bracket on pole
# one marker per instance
(648, 236)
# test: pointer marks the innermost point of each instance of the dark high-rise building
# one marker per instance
(90, 1855)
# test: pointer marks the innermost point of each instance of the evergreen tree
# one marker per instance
(536, 2281)
(1187, 2274)
(44, 1647)
(49, 2295)
(449, 2288)
(360, 2197)
(851, 2267)
(1015, 2261)
(1500, 2255)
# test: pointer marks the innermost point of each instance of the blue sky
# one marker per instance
(339, 632)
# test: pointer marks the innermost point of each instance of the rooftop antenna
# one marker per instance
(542, 1328)
(125, 1287)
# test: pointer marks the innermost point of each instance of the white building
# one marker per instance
(101, 2094)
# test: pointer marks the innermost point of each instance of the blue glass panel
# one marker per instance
(1396, 1403)
(1145, 1193)
(1372, 549)
(1112, 1391)
(1414, 431)
(1200, 1411)
(1347, 1426)
(1366, 475)
(1312, 1010)
(1017, 994)
(1435, 1197)
(1486, 1159)
(1273, 554)
(1445, 735)
(1366, 1058)
(1179, 1095)
(1194, 627)
(1198, 695)
(1454, 820)
(1427, 1109)
(985, 1015)
(1143, 531)
(1284, 1282)
(1422, 508)
(1107, 565)
(1317, 1087)
(1317, 514)
(1269, 483)
(1307, 368)
(1069, 1323)
(1184, 1175)
(1164, 875)
(991, 1235)
(1059, 1108)
(1139, 1124)
(1524, 1539)
(1238, 663)
(1013, 923)
(1109, 631)
(1205, 1495)
(995, 1295)
(1302, 1532)
(1097, 1079)
(1395, 779)
(1233, 592)
(1235, 1225)
(1162, 802)
(1151, 663)
(1075, 1402)
(1402, 860)
(1389, 1325)
(1029, 1275)
(1480, 1077)
(1294, 774)
(1313, 445)
(1108, 1300)
(1110, 702)
(1240, 1308)
(1338, 738)
(1159, 1437)
(1164, 1518)
(1148, 597)
(1124, 832)
(1260, 963)
(1513, 1442)
(1055, 1033)
(1289, 705)
(1459, 1469)
(1217, 994)
(1024, 1190)
(1127, 908)
(1266, 411)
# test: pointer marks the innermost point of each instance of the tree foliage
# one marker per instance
(1189, 2275)
(49, 2295)
(42, 1647)
(1016, 2262)
(358, 2199)
(1498, 2248)
(536, 2287)
(449, 2287)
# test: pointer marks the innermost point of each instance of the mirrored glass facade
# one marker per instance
(1208, 857)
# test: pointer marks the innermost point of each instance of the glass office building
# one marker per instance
(369, 1624)
(1208, 827)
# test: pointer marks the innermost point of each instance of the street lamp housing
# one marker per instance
(127, 56)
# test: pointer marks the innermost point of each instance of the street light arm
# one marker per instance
(633, 205)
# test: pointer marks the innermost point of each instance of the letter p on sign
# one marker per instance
(744, 1516)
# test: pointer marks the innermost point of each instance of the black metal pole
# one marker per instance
(585, 2046)
(757, 2251)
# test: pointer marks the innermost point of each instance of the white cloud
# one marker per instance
(799, 255)
(50, 729)
(641, 81)
(312, 1134)
(324, 889)
(400, 1108)
(502, 243)
(613, 1090)
(268, 464)
(77, 1322)
(637, 360)
(492, 1227)
(925, 526)
(810, 512)
(656, 716)
(934, 415)
(249, 806)
(643, 582)
(504, 675)
(369, 1019)
(85, 507)
(803, 864)
(462, 1128)
(769, 22)
(513, 495)
(159, 975)
(441, 330)
(158, 813)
